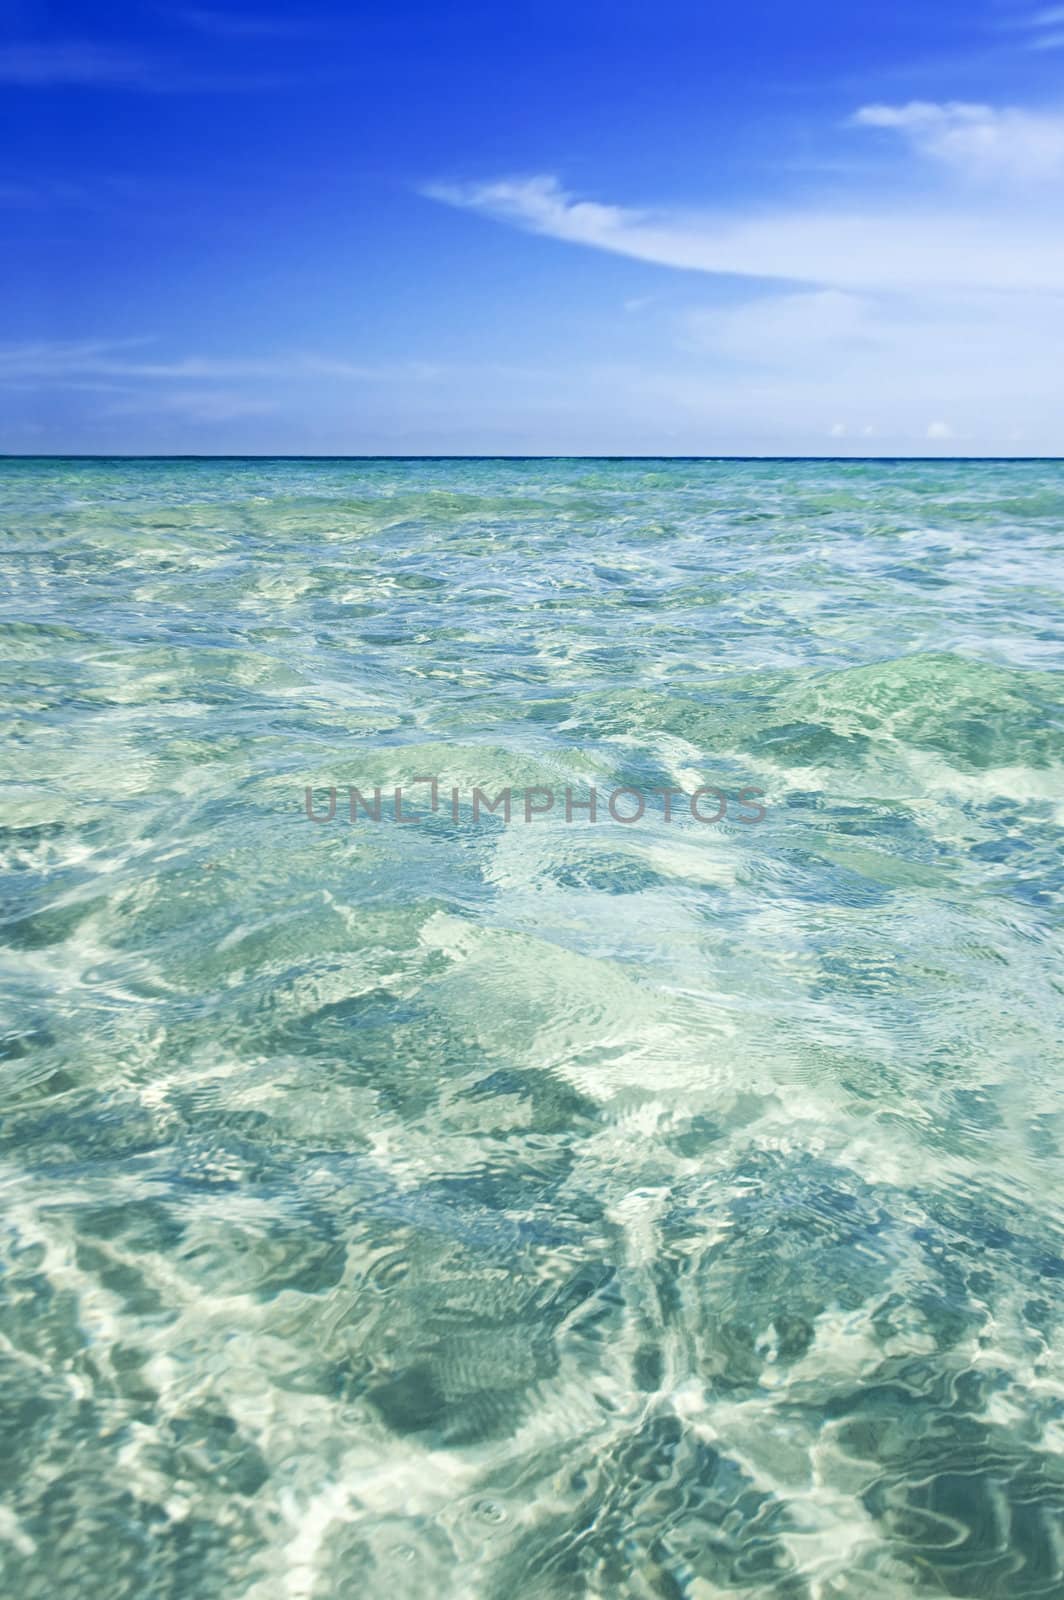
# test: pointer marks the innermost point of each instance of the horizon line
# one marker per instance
(107, 455)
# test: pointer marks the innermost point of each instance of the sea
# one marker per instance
(462, 1194)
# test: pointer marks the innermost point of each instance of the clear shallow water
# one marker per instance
(561, 1210)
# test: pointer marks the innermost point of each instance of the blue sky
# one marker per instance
(543, 227)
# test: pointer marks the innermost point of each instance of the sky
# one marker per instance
(538, 227)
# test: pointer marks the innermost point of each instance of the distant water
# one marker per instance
(468, 1211)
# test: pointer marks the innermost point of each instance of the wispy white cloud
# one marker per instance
(60, 361)
(57, 64)
(61, 358)
(205, 406)
(72, 63)
(979, 140)
(1045, 28)
(102, 193)
(930, 323)
(244, 25)
(843, 430)
(122, 386)
(868, 246)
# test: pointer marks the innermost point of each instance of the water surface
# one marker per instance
(563, 1210)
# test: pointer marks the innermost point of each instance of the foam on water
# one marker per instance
(563, 1209)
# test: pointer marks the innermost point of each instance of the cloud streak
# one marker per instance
(233, 25)
(978, 140)
(61, 361)
(79, 64)
(72, 63)
(1046, 28)
(859, 248)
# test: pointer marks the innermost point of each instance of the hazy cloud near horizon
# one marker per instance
(891, 313)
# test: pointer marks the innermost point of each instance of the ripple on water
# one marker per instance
(569, 1210)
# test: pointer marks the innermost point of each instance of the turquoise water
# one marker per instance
(472, 1209)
